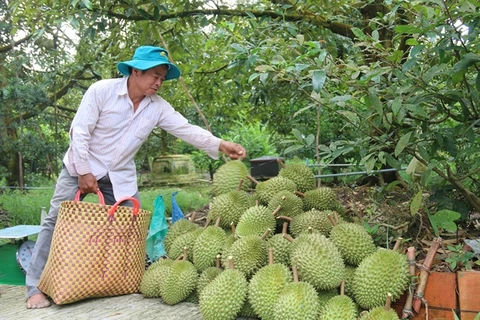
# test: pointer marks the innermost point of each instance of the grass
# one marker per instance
(25, 208)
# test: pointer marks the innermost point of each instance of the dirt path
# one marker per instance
(128, 307)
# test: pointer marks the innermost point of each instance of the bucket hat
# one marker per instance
(147, 57)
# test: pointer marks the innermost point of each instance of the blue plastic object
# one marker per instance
(157, 231)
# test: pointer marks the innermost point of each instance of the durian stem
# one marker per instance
(425, 269)
(301, 194)
(281, 163)
(240, 183)
(310, 230)
(397, 244)
(295, 273)
(270, 255)
(232, 226)
(285, 227)
(342, 288)
(230, 262)
(217, 261)
(285, 218)
(266, 233)
(192, 217)
(407, 309)
(288, 237)
(388, 302)
(217, 222)
(207, 223)
(252, 179)
(274, 213)
(332, 220)
(283, 198)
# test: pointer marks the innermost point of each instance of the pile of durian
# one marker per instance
(283, 251)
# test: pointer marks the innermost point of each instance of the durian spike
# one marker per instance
(388, 302)
(230, 262)
(274, 213)
(283, 198)
(218, 261)
(288, 237)
(252, 179)
(295, 273)
(240, 183)
(257, 203)
(397, 244)
(285, 227)
(270, 255)
(407, 309)
(281, 163)
(217, 222)
(330, 217)
(285, 218)
(265, 234)
(342, 288)
(301, 194)
(310, 230)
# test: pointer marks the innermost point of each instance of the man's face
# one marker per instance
(152, 79)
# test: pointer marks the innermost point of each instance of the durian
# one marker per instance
(381, 313)
(179, 227)
(207, 246)
(229, 207)
(266, 190)
(339, 307)
(228, 176)
(154, 277)
(353, 242)
(224, 296)
(255, 220)
(299, 173)
(323, 198)
(384, 271)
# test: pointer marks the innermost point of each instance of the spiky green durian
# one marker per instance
(265, 190)
(323, 198)
(324, 296)
(382, 272)
(339, 307)
(349, 275)
(281, 247)
(206, 277)
(224, 296)
(318, 260)
(207, 246)
(297, 301)
(229, 207)
(249, 254)
(180, 282)
(154, 278)
(353, 242)
(315, 219)
(301, 174)
(182, 241)
(179, 227)
(265, 287)
(247, 311)
(290, 204)
(228, 177)
(255, 220)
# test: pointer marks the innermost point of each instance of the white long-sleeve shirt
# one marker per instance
(106, 133)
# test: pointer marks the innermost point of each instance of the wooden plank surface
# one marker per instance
(133, 306)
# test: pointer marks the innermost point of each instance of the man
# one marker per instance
(113, 120)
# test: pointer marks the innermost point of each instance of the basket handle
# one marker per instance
(136, 207)
(101, 200)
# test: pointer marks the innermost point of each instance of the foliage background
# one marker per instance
(372, 83)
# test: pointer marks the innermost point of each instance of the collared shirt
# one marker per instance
(106, 133)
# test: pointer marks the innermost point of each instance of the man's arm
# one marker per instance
(233, 150)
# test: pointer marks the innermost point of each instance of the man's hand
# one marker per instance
(87, 183)
(232, 150)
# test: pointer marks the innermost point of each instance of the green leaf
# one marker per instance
(477, 82)
(467, 60)
(408, 29)
(318, 80)
(445, 219)
(375, 101)
(402, 143)
(359, 33)
(416, 203)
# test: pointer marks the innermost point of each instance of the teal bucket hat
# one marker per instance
(147, 57)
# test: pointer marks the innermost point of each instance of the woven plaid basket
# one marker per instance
(97, 250)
